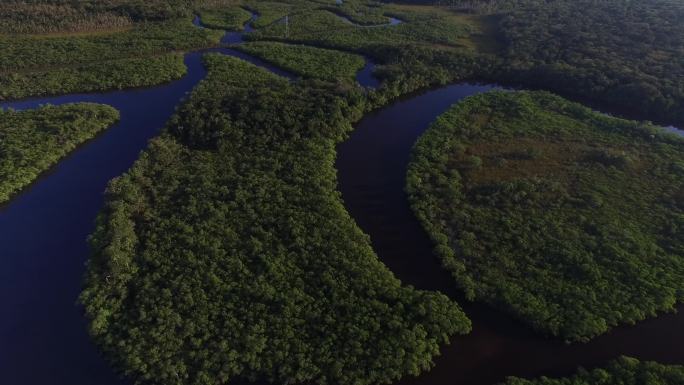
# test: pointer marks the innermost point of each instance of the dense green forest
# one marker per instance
(273, 11)
(571, 220)
(628, 55)
(622, 371)
(33, 140)
(624, 55)
(432, 46)
(226, 252)
(113, 74)
(25, 53)
(144, 55)
(555, 45)
(307, 61)
(322, 27)
(60, 16)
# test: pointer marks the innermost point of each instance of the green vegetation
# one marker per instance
(623, 371)
(231, 19)
(571, 220)
(625, 54)
(114, 74)
(321, 27)
(270, 12)
(428, 49)
(360, 13)
(143, 56)
(24, 53)
(64, 16)
(32, 141)
(226, 252)
(42, 18)
(307, 61)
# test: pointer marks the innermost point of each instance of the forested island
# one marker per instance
(225, 253)
(570, 219)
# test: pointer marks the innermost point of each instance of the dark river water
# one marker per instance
(43, 231)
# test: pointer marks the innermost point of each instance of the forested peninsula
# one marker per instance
(32, 141)
(225, 251)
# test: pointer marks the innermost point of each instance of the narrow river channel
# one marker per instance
(43, 233)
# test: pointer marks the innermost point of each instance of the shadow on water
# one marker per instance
(371, 172)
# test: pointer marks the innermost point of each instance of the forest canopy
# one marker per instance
(628, 55)
(225, 251)
(33, 140)
(63, 16)
(569, 219)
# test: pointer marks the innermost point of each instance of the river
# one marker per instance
(43, 232)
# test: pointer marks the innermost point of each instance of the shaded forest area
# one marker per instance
(569, 219)
(225, 251)
(627, 56)
(61, 16)
(32, 141)
(144, 54)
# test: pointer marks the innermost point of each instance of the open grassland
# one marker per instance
(32, 141)
(569, 219)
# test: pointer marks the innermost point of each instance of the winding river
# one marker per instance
(43, 337)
